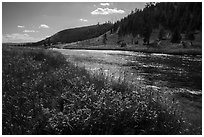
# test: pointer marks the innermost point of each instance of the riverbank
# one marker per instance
(176, 51)
(44, 94)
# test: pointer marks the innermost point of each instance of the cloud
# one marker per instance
(19, 26)
(106, 11)
(28, 31)
(84, 20)
(17, 38)
(44, 26)
(104, 4)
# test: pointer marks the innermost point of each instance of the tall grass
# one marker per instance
(45, 94)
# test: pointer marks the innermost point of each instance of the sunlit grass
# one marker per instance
(45, 94)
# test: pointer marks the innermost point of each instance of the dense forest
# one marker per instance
(178, 17)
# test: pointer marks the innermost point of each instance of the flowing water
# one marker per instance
(181, 75)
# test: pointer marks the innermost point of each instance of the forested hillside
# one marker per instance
(179, 17)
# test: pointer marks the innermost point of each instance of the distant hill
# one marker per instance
(77, 34)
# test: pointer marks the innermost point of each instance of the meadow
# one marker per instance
(43, 93)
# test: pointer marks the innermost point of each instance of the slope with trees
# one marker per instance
(177, 17)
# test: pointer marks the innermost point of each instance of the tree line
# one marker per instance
(178, 17)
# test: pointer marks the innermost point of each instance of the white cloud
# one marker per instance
(106, 11)
(28, 31)
(19, 26)
(17, 38)
(84, 20)
(104, 4)
(44, 26)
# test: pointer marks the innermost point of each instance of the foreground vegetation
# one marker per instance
(45, 94)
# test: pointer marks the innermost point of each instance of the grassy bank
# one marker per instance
(45, 94)
(180, 51)
(165, 46)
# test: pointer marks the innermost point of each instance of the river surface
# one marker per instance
(181, 75)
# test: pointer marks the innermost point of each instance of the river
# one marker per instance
(181, 75)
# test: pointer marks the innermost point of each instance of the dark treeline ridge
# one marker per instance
(78, 34)
(183, 17)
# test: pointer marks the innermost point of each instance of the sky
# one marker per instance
(34, 21)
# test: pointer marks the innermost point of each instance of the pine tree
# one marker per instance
(161, 33)
(176, 37)
(147, 33)
(190, 36)
(104, 38)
